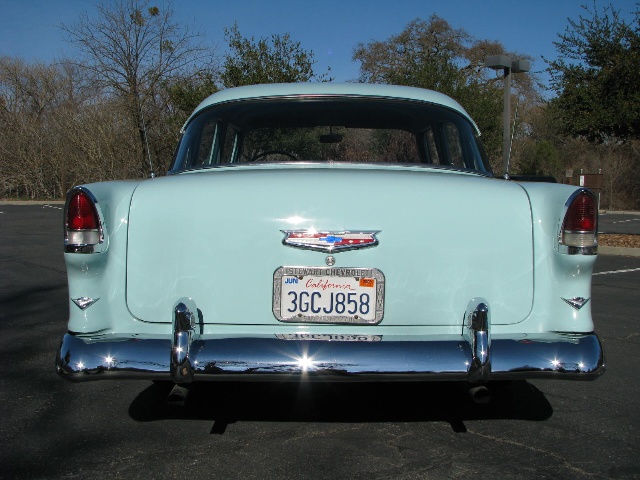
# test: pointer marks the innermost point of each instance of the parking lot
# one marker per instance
(51, 428)
(623, 223)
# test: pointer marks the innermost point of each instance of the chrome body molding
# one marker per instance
(551, 355)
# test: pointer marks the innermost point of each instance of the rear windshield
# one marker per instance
(329, 129)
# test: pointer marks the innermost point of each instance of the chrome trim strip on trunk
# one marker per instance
(552, 355)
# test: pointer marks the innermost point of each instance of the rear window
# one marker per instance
(329, 129)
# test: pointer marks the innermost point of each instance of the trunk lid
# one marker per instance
(216, 237)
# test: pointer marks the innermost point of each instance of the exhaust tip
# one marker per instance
(178, 395)
(479, 394)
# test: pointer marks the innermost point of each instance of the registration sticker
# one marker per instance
(328, 295)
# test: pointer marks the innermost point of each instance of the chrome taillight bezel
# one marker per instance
(84, 240)
(582, 242)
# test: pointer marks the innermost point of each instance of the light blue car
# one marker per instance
(341, 231)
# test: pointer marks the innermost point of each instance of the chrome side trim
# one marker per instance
(479, 337)
(551, 355)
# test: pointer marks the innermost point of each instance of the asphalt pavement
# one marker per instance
(51, 428)
(627, 223)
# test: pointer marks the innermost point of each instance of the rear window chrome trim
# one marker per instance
(482, 162)
(335, 164)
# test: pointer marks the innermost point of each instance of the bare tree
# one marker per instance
(31, 96)
(57, 130)
(132, 49)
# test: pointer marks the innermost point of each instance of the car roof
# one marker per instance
(283, 90)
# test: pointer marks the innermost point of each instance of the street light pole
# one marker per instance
(508, 66)
(506, 130)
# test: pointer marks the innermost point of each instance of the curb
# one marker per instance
(32, 202)
(621, 251)
(617, 212)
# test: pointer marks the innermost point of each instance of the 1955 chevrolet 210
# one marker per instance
(340, 231)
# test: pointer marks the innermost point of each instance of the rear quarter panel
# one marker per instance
(557, 275)
(103, 275)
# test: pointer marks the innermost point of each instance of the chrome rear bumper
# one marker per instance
(474, 356)
(553, 355)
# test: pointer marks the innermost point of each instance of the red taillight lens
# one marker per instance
(579, 228)
(581, 215)
(83, 229)
(81, 213)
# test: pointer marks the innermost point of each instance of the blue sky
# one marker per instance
(29, 29)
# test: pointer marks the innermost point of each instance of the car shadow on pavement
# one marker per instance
(226, 403)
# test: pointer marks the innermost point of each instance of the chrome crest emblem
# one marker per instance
(328, 241)
(576, 302)
(84, 302)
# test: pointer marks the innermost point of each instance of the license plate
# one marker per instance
(328, 337)
(328, 295)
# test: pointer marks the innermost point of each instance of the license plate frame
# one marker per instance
(339, 275)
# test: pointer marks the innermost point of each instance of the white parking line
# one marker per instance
(618, 271)
(46, 205)
(625, 221)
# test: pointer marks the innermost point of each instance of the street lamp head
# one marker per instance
(520, 66)
(500, 62)
(497, 62)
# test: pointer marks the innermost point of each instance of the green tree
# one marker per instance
(275, 60)
(186, 92)
(541, 158)
(432, 54)
(424, 54)
(597, 77)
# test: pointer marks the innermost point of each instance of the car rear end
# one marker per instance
(239, 266)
